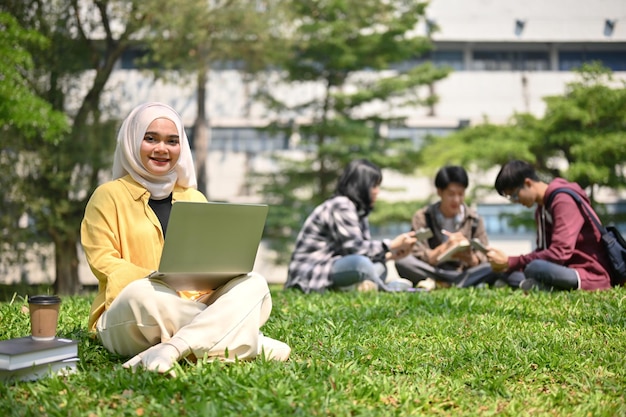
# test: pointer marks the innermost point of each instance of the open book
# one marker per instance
(463, 245)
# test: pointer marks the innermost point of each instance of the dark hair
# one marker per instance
(449, 174)
(356, 182)
(512, 175)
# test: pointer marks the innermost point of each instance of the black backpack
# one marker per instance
(612, 240)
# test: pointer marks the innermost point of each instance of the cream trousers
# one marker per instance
(223, 325)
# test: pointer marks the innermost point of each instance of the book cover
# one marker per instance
(25, 352)
(34, 372)
(448, 255)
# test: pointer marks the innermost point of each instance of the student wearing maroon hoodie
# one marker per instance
(569, 253)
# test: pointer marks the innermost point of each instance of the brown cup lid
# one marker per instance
(44, 299)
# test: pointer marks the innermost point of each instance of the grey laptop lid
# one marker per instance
(207, 244)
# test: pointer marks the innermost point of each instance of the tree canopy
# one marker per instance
(21, 109)
(59, 170)
(26, 120)
(61, 167)
(349, 48)
(585, 127)
(188, 38)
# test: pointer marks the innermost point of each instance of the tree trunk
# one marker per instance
(66, 266)
(201, 135)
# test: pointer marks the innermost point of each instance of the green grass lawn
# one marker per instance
(450, 352)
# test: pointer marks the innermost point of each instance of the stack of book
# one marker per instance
(24, 359)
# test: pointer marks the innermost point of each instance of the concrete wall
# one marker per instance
(545, 21)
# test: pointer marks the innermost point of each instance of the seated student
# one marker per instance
(451, 221)
(334, 249)
(122, 233)
(569, 253)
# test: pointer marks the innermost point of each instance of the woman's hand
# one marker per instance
(401, 245)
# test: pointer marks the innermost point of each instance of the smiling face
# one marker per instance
(160, 147)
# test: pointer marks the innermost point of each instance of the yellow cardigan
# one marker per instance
(122, 237)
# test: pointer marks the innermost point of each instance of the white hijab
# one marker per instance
(127, 159)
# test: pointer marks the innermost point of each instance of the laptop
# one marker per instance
(208, 244)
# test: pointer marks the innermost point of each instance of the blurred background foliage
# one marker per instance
(60, 144)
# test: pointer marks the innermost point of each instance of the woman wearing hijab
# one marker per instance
(122, 234)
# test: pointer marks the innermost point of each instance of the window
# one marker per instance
(510, 61)
(453, 59)
(241, 139)
(615, 60)
(130, 58)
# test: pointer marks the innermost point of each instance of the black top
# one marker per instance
(162, 209)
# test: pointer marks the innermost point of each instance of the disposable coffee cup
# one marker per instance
(44, 316)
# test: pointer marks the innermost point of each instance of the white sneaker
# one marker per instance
(273, 349)
(427, 284)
